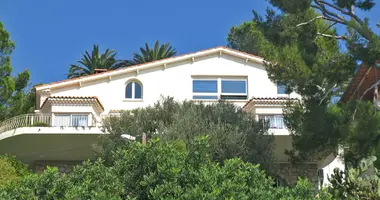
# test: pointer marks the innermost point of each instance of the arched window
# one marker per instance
(133, 90)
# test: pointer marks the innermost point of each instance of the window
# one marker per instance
(79, 120)
(62, 120)
(281, 89)
(274, 121)
(133, 90)
(205, 89)
(71, 120)
(220, 88)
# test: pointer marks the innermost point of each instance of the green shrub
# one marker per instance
(356, 183)
(94, 181)
(7, 172)
(232, 132)
(158, 170)
(11, 169)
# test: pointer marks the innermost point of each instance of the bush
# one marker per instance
(94, 181)
(356, 183)
(232, 132)
(7, 172)
(158, 170)
(11, 169)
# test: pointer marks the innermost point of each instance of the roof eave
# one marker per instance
(221, 50)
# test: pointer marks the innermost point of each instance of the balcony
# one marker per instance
(48, 120)
(33, 137)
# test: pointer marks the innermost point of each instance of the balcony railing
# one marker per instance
(26, 120)
(41, 120)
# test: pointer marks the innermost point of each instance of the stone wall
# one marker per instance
(289, 173)
(63, 166)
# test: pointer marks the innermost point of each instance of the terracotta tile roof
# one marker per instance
(364, 78)
(269, 100)
(73, 97)
(156, 61)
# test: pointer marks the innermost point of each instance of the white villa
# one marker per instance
(73, 108)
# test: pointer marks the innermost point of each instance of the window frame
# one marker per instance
(71, 119)
(81, 115)
(233, 94)
(265, 117)
(208, 94)
(219, 94)
(133, 97)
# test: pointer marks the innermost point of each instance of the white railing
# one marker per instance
(44, 120)
(26, 120)
(275, 122)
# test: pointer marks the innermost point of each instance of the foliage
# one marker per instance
(315, 67)
(11, 169)
(7, 172)
(94, 181)
(356, 183)
(13, 98)
(232, 132)
(361, 41)
(354, 126)
(90, 62)
(319, 126)
(297, 58)
(159, 170)
(149, 54)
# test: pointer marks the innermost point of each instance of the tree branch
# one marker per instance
(341, 10)
(327, 93)
(315, 18)
(338, 37)
(328, 13)
(331, 25)
(324, 6)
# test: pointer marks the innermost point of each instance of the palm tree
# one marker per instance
(89, 63)
(151, 54)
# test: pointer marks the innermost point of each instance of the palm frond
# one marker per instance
(158, 52)
(95, 60)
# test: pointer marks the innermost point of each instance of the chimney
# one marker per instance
(98, 71)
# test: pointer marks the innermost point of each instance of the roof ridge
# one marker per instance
(149, 63)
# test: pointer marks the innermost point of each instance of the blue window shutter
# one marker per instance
(128, 91)
(138, 91)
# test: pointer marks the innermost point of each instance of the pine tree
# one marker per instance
(13, 99)
(303, 51)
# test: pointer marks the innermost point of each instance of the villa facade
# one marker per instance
(67, 120)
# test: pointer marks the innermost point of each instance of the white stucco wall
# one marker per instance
(174, 81)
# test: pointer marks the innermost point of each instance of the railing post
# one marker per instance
(51, 121)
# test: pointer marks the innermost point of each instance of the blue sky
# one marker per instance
(52, 34)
